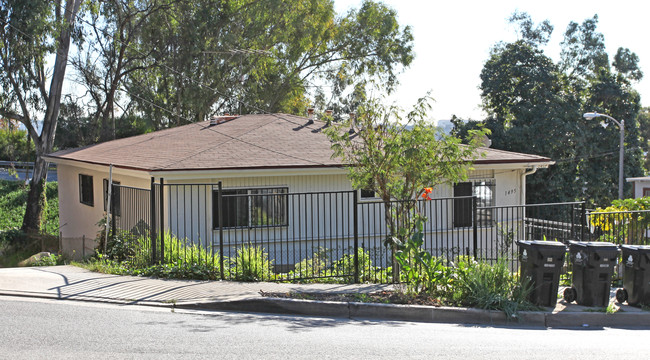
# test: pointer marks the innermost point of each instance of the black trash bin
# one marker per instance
(636, 275)
(541, 264)
(593, 266)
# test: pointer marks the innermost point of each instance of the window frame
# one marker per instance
(250, 208)
(88, 200)
(485, 217)
(362, 198)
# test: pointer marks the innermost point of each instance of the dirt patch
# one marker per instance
(380, 297)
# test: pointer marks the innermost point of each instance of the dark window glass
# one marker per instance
(368, 194)
(251, 207)
(484, 192)
(86, 190)
(463, 207)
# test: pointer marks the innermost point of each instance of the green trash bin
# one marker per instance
(541, 264)
(636, 275)
(593, 266)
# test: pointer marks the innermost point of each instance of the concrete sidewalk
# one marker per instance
(73, 283)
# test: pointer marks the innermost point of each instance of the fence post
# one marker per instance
(220, 220)
(475, 225)
(583, 221)
(152, 228)
(112, 202)
(355, 215)
(162, 219)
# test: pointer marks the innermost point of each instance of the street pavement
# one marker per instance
(73, 283)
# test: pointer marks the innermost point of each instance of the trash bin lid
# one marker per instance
(593, 245)
(637, 248)
(541, 243)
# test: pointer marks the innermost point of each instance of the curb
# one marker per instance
(388, 312)
(429, 314)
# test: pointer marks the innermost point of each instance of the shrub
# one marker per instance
(185, 251)
(50, 260)
(136, 251)
(314, 267)
(178, 270)
(367, 272)
(422, 273)
(251, 264)
(493, 287)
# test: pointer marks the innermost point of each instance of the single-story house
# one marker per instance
(283, 156)
(641, 186)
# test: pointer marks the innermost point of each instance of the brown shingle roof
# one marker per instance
(248, 142)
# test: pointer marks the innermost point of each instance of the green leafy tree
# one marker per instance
(15, 145)
(535, 106)
(262, 55)
(644, 129)
(532, 110)
(109, 55)
(606, 89)
(398, 157)
(30, 32)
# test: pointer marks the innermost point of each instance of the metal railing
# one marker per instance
(620, 227)
(271, 234)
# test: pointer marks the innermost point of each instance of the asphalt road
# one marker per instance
(55, 329)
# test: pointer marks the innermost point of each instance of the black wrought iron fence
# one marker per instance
(271, 234)
(620, 227)
(131, 223)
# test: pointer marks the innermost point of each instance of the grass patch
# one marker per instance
(14, 245)
(13, 198)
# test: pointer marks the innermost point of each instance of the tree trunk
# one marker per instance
(35, 197)
(43, 143)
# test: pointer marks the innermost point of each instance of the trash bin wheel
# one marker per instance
(570, 294)
(621, 295)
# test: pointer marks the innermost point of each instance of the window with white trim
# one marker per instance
(263, 207)
(367, 195)
(483, 189)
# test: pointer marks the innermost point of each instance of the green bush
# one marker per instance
(184, 251)
(251, 264)
(50, 260)
(311, 268)
(420, 272)
(178, 270)
(490, 286)
(16, 246)
(367, 272)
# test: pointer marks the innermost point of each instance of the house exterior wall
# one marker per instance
(641, 187)
(78, 222)
(326, 218)
(188, 210)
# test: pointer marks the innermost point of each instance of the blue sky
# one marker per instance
(453, 40)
